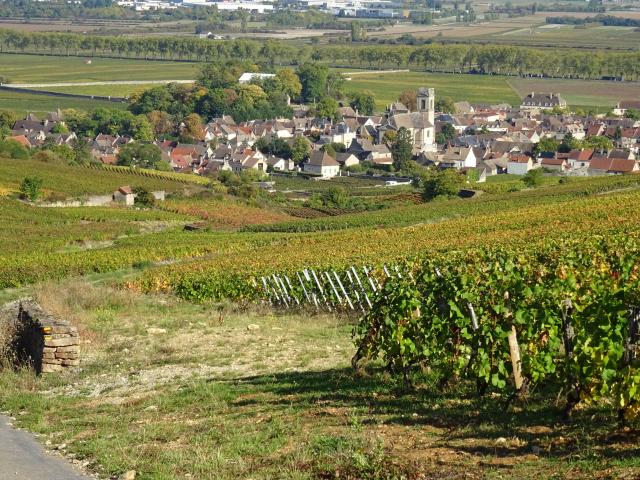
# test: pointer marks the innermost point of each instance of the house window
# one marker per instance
(423, 104)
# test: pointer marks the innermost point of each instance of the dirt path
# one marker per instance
(23, 458)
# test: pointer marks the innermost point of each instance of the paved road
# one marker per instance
(23, 458)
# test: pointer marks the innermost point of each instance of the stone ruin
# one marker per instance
(29, 336)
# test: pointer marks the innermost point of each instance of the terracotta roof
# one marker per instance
(21, 139)
(553, 161)
(519, 158)
(125, 190)
(581, 155)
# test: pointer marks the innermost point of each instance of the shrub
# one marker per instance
(533, 178)
(31, 188)
(144, 197)
(443, 183)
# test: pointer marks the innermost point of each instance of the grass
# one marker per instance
(211, 398)
(30, 102)
(50, 69)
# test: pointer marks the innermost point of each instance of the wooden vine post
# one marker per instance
(516, 362)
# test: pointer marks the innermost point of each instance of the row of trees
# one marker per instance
(488, 59)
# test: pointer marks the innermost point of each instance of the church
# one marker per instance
(421, 123)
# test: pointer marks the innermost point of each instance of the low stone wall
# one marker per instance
(38, 339)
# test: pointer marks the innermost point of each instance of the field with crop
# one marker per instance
(114, 90)
(238, 390)
(530, 30)
(580, 92)
(63, 180)
(48, 69)
(31, 102)
(472, 88)
(491, 89)
(546, 35)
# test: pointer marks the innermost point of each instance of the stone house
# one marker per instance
(323, 164)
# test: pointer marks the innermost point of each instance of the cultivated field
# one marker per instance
(41, 69)
(580, 92)
(526, 30)
(27, 102)
(474, 88)
(174, 389)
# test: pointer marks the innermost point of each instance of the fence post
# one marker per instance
(516, 363)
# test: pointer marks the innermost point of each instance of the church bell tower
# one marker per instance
(426, 102)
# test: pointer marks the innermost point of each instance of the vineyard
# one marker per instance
(70, 181)
(230, 276)
(563, 312)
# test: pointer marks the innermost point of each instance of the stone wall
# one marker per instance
(38, 339)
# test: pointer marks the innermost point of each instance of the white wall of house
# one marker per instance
(324, 171)
(516, 168)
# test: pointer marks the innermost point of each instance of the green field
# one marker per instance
(473, 88)
(46, 69)
(118, 90)
(30, 102)
(570, 36)
(580, 93)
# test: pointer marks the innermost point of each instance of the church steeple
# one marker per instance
(426, 102)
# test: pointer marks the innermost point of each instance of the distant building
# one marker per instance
(421, 124)
(321, 163)
(248, 77)
(624, 105)
(542, 101)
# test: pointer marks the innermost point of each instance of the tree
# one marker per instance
(143, 155)
(598, 143)
(160, 123)
(81, 151)
(442, 183)
(335, 197)
(409, 99)
(546, 144)
(59, 128)
(632, 114)
(300, 150)
(144, 197)
(31, 188)
(329, 149)
(193, 127)
(12, 149)
(358, 32)
(364, 102)
(221, 75)
(402, 148)
(447, 134)
(445, 105)
(313, 78)
(568, 143)
(288, 82)
(533, 178)
(327, 108)
(142, 129)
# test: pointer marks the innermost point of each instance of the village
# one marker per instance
(490, 139)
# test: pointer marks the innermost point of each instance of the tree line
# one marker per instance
(459, 58)
(607, 20)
